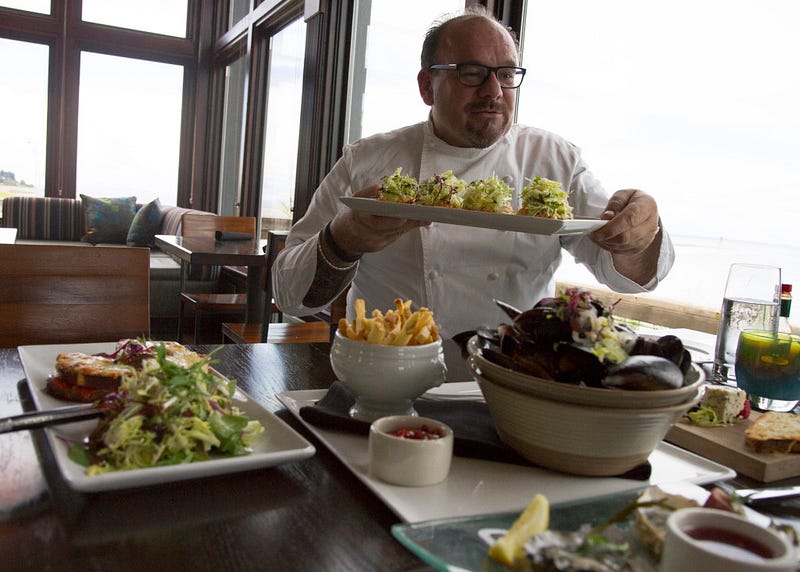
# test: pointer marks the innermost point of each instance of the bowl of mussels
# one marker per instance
(569, 348)
(571, 390)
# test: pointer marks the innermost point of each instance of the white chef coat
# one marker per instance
(455, 271)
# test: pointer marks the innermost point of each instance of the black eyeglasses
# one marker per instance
(475, 75)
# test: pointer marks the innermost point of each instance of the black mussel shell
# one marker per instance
(538, 364)
(671, 348)
(646, 347)
(644, 373)
(542, 325)
(685, 361)
(577, 365)
(510, 310)
(487, 336)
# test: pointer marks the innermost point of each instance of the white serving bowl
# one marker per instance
(386, 380)
(409, 462)
(577, 439)
(598, 396)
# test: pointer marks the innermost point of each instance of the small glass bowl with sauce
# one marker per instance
(711, 539)
(409, 450)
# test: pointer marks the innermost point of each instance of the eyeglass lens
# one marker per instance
(473, 75)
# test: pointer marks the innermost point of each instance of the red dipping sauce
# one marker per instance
(423, 433)
(731, 544)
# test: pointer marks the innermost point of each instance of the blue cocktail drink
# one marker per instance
(768, 368)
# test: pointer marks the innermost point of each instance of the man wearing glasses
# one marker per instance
(469, 77)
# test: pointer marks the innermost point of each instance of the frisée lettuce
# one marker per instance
(398, 188)
(490, 195)
(545, 198)
(167, 414)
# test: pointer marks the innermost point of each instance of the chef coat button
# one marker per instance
(508, 180)
(493, 276)
(433, 274)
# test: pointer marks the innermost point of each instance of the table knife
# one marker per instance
(37, 419)
(755, 495)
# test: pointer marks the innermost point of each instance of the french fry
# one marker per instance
(398, 327)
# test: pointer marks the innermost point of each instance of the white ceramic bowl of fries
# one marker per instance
(388, 360)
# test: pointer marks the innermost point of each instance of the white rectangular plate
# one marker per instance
(480, 219)
(476, 486)
(278, 444)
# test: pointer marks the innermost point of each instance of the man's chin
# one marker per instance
(485, 134)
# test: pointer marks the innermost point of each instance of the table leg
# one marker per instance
(255, 295)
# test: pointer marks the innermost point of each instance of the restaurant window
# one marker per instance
(385, 62)
(156, 16)
(284, 96)
(237, 9)
(231, 154)
(38, 6)
(693, 102)
(23, 118)
(129, 123)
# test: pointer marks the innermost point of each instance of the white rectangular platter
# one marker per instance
(480, 219)
(477, 486)
(278, 444)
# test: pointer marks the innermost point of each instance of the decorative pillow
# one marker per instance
(146, 224)
(108, 220)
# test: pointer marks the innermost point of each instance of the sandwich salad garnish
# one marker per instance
(490, 195)
(443, 190)
(398, 188)
(545, 198)
(165, 415)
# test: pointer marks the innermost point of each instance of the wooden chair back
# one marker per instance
(316, 331)
(276, 241)
(194, 224)
(54, 294)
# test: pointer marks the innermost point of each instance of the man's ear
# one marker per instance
(425, 86)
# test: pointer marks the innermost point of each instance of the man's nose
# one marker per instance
(491, 87)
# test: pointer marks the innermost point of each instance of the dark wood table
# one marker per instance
(312, 514)
(207, 250)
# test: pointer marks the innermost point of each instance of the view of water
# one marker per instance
(701, 269)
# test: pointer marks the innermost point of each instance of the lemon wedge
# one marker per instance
(533, 520)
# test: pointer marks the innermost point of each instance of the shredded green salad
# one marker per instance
(166, 415)
(593, 325)
(443, 190)
(491, 195)
(545, 198)
(399, 188)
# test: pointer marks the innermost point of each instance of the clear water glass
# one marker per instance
(751, 302)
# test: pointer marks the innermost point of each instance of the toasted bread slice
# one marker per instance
(774, 432)
(93, 371)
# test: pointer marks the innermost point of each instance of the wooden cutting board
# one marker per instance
(725, 445)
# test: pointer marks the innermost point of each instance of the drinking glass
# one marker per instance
(768, 369)
(751, 301)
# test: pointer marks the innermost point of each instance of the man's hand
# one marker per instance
(355, 232)
(632, 234)
(632, 223)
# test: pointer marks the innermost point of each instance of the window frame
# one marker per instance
(67, 36)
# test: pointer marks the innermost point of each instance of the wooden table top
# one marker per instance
(207, 250)
(312, 514)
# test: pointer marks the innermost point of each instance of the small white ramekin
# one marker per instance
(409, 462)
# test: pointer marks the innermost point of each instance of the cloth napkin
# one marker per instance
(223, 235)
(473, 429)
